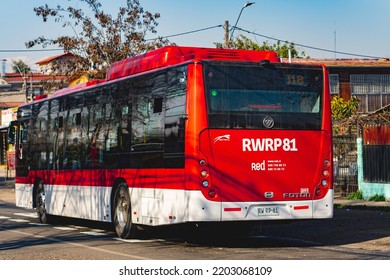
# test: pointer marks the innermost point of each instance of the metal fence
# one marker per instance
(376, 163)
(345, 164)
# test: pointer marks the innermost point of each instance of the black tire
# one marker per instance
(40, 203)
(123, 224)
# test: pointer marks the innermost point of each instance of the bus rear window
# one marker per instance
(243, 95)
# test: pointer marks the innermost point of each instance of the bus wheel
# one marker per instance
(40, 203)
(122, 212)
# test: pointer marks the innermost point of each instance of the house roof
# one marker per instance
(36, 77)
(52, 58)
(343, 62)
(10, 104)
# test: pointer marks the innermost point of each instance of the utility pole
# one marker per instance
(226, 28)
(335, 46)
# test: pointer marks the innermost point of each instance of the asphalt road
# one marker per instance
(353, 234)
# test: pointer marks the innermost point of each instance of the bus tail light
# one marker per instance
(325, 183)
(204, 173)
(212, 193)
(208, 190)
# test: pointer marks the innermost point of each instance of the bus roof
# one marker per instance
(76, 88)
(172, 55)
(168, 56)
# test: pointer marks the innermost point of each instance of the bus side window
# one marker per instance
(22, 150)
(61, 122)
(175, 116)
(157, 105)
(11, 134)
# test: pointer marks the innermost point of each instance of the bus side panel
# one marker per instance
(199, 208)
(24, 195)
(155, 207)
(85, 202)
(323, 208)
(202, 210)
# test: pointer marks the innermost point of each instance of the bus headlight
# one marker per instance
(205, 184)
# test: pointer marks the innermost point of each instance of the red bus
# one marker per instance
(181, 135)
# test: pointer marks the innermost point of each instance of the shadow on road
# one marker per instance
(348, 226)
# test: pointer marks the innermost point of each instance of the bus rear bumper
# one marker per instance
(278, 210)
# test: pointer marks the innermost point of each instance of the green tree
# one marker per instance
(20, 67)
(99, 38)
(244, 43)
(342, 109)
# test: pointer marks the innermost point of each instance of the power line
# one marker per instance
(186, 33)
(221, 26)
(152, 39)
(310, 47)
(20, 51)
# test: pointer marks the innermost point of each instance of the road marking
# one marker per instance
(139, 240)
(29, 215)
(38, 224)
(4, 218)
(38, 236)
(65, 228)
(80, 227)
(94, 233)
(18, 220)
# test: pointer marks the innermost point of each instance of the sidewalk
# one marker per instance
(344, 202)
(7, 186)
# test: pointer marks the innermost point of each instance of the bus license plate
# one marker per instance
(268, 211)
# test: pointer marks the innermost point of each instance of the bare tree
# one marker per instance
(100, 39)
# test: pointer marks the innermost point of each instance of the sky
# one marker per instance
(352, 28)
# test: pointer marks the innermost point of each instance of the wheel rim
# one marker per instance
(122, 211)
(41, 200)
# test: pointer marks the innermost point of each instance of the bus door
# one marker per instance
(157, 150)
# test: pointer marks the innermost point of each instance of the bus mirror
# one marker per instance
(267, 64)
(184, 117)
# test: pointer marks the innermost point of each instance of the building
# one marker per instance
(367, 79)
(46, 66)
(58, 64)
(4, 86)
(16, 89)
